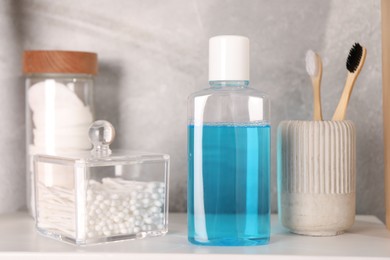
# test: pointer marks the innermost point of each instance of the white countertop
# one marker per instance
(367, 239)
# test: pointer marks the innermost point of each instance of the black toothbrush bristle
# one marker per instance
(354, 57)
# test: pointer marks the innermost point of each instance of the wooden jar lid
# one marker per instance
(72, 62)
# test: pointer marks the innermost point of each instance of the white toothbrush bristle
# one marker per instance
(311, 63)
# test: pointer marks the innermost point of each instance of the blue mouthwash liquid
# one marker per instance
(228, 184)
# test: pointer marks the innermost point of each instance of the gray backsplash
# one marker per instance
(153, 54)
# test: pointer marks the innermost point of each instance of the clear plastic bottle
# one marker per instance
(228, 152)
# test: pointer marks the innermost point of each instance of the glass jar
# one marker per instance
(101, 196)
(59, 105)
(228, 153)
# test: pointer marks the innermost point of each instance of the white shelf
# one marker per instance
(368, 239)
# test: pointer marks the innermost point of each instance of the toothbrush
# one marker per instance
(355, 62)
(314, 69)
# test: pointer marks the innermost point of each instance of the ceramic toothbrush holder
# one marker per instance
(316, 176)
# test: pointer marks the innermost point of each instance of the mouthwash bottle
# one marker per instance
(228, 152)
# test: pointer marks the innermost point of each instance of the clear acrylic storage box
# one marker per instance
(100, 196)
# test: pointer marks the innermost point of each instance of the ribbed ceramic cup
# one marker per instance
(316, 176)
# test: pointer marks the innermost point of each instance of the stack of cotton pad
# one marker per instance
(60, 118)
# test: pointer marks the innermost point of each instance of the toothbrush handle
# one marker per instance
(316, 81)
(341, 109)
(317, 115)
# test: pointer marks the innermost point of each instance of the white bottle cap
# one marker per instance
(228, 58)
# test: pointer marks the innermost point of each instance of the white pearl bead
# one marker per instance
(136, 229)
(158, 203)
(115, 208)
(155, 196)
(114, 196)
(114, 203)
(146, 201)
(160, 226)
(148, 220)
(152, 185)
(116, 230)
(154, 209)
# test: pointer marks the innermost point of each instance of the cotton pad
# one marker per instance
(50, 94)
(58, 118)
